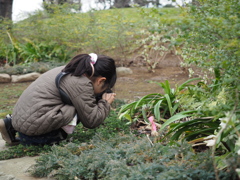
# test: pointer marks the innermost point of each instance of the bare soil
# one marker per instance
(142, 82)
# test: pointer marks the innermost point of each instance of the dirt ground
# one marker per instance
(140, 82)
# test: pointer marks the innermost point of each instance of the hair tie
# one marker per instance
(93, 58)
(93, 61)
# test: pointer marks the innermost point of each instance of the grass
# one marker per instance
(9, 95)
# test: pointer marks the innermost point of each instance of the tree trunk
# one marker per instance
(61, 1)
(195, 2)
(121, 3)
(6, 9)
(158, 3)
(141, 2)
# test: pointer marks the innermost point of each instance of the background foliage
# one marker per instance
(59, 35)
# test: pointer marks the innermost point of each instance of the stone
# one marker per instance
(25, 78)
(123, 71)
(16, 169)
(5, 78)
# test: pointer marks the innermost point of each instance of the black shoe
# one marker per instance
(10, 130)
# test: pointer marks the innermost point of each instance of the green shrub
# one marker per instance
(212, 43)
(20, 151)
(126, 157)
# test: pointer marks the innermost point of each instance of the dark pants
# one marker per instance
(53, 137)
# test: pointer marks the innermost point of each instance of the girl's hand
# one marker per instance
(109, 97)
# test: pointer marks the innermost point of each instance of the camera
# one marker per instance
(99, 96)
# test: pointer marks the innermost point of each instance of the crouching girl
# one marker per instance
(42, 116)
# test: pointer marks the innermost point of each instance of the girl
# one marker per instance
(41, 117)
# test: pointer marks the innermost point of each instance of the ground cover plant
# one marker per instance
(126, 157)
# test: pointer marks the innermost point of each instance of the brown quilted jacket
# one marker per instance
(40, 110)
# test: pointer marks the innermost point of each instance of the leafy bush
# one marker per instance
(212, 43)
(30, 51)
(4, 43)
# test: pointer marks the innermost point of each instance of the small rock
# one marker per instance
(7, 66)
(158, 78)
(7, 177)
(126, 79)
(26, 77)
(124, 71)
(5, 78)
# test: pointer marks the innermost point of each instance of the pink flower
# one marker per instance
(153, 126)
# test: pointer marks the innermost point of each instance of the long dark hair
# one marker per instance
(105, 67)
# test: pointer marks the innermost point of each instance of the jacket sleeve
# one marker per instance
(89, 112)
